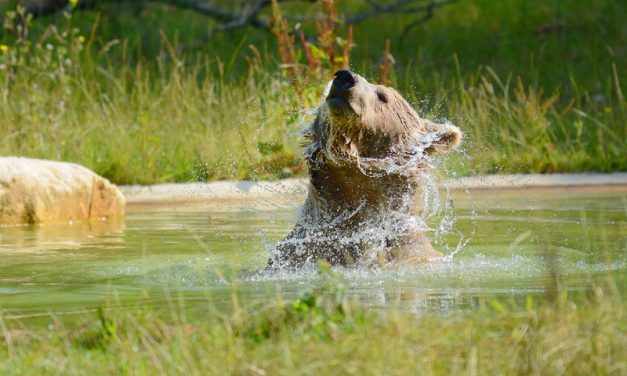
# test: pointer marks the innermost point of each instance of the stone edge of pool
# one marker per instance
(291, 188)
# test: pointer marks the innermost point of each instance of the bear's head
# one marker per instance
(363, 120)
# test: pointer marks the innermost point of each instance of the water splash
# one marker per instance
(374, 230)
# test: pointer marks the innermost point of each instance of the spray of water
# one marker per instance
(374, 230)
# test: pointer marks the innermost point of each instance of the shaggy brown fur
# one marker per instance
(366, 153)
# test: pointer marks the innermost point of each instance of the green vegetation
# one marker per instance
(536, 88)
(325, 333)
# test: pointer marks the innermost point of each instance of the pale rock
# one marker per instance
(40, 191)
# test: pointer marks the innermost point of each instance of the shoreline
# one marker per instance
(289, 189)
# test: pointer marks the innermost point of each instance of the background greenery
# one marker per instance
(145, 93)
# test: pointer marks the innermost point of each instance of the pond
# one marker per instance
(501, 243)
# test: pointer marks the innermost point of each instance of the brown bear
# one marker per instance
(368, 149)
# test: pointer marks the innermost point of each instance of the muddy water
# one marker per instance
(500, 243)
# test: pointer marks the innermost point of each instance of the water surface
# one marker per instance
(500, 243)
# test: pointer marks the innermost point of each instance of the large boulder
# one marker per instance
(39, 191)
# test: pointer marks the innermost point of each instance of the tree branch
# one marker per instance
(252, 9)
(398, 7)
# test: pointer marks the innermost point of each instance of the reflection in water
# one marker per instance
(103, 234)
(203, 255)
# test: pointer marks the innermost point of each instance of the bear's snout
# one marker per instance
(339, 92)
(344, 79)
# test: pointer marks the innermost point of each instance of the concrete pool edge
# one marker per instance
(288, 189)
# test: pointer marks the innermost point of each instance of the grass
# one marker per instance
(173, 129)
(147, 107)
(536, 88)
(324, 332)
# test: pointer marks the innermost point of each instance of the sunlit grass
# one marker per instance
(185, 126)
(324, 332)
(134, 129)
(73, 90)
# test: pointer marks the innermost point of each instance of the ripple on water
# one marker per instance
(498, 249)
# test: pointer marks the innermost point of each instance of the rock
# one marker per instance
(40, 191)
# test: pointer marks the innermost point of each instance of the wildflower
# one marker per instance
(81, 39)
(73, 3)
(4, 48)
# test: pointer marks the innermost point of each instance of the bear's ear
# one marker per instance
(447, 137)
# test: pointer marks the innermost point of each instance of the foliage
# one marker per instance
(330, 52)
(73, 89)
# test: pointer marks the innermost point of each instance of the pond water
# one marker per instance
(502, 243)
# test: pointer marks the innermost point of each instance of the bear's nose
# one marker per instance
(344, 79)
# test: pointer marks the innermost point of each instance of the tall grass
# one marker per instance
(186, 125)
(514, 127)
(323, 332)
(79, 94)
(138, 125)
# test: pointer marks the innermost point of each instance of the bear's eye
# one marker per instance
(382, 97)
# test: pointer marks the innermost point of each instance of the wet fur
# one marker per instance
(350, 148)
